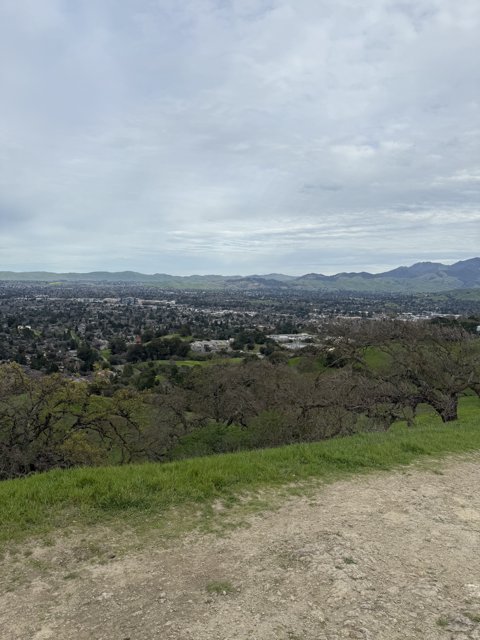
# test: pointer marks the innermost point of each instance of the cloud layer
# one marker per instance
(238, 136)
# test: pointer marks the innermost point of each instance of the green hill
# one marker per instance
(141, 495)
(422, 277)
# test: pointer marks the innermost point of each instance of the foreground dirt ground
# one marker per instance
(380, 557)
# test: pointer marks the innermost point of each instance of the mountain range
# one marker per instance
(420, 277)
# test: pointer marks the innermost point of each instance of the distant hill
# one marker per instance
(422, 277)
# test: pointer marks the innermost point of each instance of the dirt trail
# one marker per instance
(380, 557)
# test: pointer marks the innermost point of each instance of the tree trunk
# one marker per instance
(449, 410)
(476, 388)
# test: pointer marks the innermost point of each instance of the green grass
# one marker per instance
(307, 364)
(60, 499)
(376, 359)
(199, 363)
(177, 363)
(179, 335)
(294, 362)
(221, 588)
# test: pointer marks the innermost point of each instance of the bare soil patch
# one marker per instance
(384, 556)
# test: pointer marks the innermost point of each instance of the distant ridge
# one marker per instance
(428, 277)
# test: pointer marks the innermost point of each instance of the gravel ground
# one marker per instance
(379, 557)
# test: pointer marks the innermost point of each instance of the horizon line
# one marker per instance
(247, 275)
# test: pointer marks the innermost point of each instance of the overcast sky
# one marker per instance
(238, 136)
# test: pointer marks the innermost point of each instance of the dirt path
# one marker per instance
(381, 557)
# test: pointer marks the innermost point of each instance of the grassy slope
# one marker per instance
(57, 499)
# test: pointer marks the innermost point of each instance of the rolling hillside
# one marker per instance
(422, 277)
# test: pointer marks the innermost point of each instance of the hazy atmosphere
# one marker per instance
(215, 136)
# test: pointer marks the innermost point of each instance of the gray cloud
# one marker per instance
(12, 215)
(238, 136)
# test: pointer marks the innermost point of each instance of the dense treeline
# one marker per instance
(364, 379)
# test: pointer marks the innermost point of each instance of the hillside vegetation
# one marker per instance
(421, 277)
(106, 450)
(141, 495)
(368, 377)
